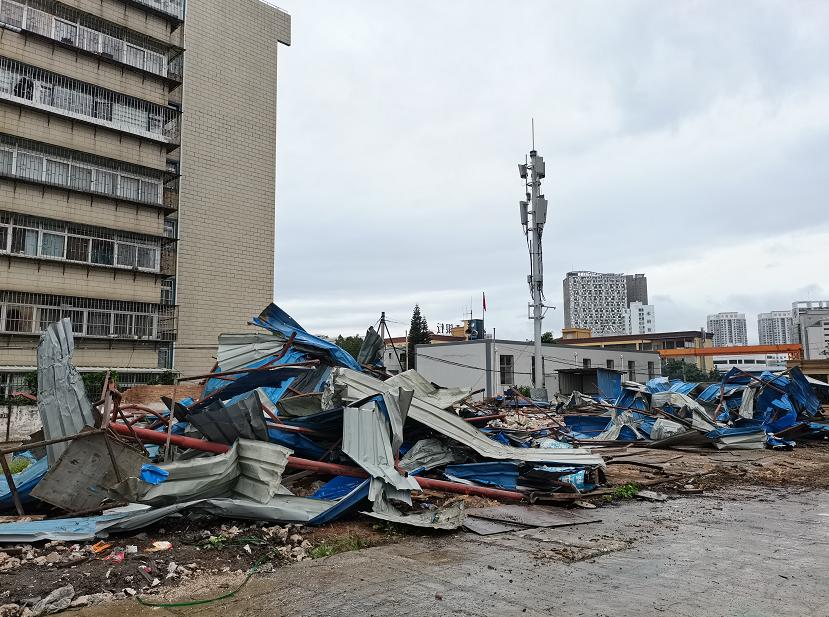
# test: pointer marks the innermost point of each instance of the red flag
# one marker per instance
(484, 300)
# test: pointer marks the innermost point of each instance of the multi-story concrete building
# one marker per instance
(637, 288)
(596, 301)
(729, 329)
(810, 323)
(137, 177)
(640, 318)
(775, 328)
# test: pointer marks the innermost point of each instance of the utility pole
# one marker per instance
(533, 217)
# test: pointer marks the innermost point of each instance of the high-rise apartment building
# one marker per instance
(810, 324)
(595, 301)
(640, 318)
(637, 288)
(775, 328)
(137, 177)
(729, 329)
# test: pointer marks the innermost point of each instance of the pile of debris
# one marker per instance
(743, 411)
(282, 411)
(289, 428)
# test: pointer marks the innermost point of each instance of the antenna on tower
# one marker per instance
(533, 210)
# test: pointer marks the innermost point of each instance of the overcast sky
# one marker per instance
(685, 140)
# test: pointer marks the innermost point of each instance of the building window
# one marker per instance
(52, 245)
(30, 166)
(651, 370)
(19, 318)
(66, 32)
(93, 104)
(24, 241)
(148, 258)
(609, 364)
(168, 298)
(130, 188)
(106, 182)
(81, 178)
(102, 252)
(98, 323)
(122, 324)
(65, 168)
(586, 363)
(127, 254)
(144, 326)
(48, 316)
(507, 370)
(12, 13)
(6, 162)
(77, 249)
(32, 313)
(631, 370)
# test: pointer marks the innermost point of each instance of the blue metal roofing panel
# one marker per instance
(275, 319)
(503, 474)
(683, 387)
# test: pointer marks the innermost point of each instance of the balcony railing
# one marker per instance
(40, 163)
(26, 313)
(41, 238)
(88, 33)
(34, 87)
(173, 8)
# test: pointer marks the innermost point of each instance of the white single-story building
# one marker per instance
(494, 365)
(752, 363)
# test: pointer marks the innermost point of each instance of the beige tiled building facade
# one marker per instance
(137, 178)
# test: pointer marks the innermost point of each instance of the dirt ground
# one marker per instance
(214, 554)
(807, 466)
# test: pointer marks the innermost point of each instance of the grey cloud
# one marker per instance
(670, 130)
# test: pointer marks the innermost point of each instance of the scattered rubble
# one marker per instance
(243, 470)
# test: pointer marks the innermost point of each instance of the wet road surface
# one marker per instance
(751, 552)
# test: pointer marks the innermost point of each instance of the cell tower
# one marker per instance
(533, 217)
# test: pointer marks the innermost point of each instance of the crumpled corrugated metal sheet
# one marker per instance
(282, 508)
(225, 424)
(367, 440)
(240, 350)
(250, 468)
(359, 386)
(270, 379)
(699, 417)
(449, 517)
(278, 321)
(683, 387)
(370, 350)
(428, 454)
(24, 481)
(261, 465)
(62, 402)
(425, 391)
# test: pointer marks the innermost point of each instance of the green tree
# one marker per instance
(547, 337)
(351, 344)
(686, 371)
(94, 383)
(418, 334)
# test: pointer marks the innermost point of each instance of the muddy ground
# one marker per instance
(212, 555)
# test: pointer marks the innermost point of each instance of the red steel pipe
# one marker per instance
(161, 438)
(329, 468)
